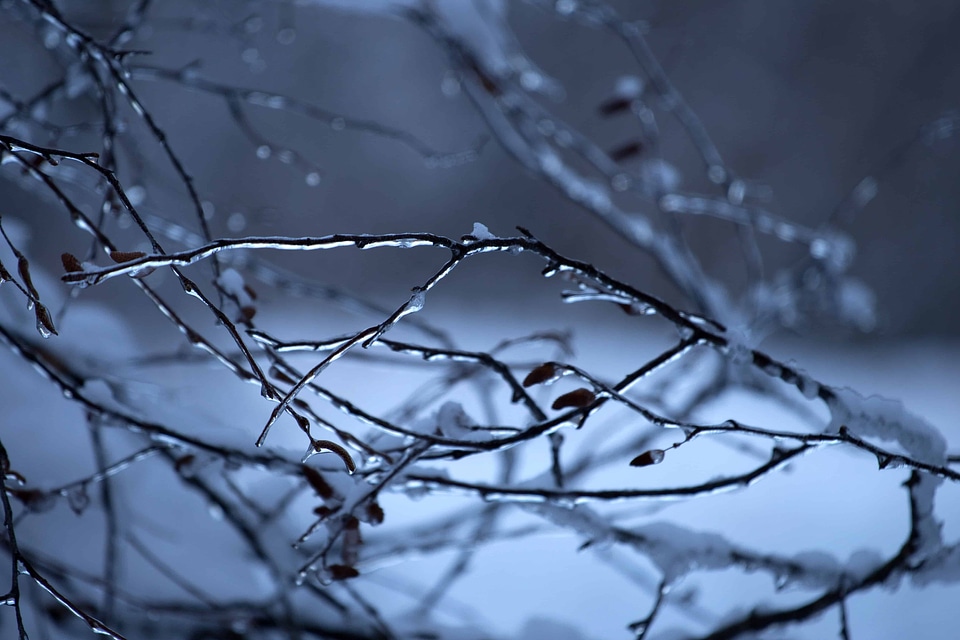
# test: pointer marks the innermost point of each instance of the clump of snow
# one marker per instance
(233, 284)
(452, 421)
(927, 539)
(677, 551)
(817, 569)
(862, 563)
(943, 567)
(480, 232)
(876, 417)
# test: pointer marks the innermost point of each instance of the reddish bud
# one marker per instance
(614, 106)
(317, 482)
(647, 458)
(342, 572)
(374, 513)
(626, 151)
(543, 373)
(126, 256)
(70, 263)
(184, 462)
(577, 398)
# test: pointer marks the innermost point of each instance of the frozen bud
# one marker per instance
(126, 256)
(577, 398)
(647, 458)
(317, 482)
(546, 372)
(342, 572)
(373, 512)
(70, 263)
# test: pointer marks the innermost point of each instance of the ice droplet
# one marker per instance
(338, 124)
(286, 36)
(78, 499)
(450, 84)
(628, 87)
(312, 179)
(209, 209)
(253, 24)
(264, 151)
(136, 195)
(236, 222)
(717, 174)
(309, 453)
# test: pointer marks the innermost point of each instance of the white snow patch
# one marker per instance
(876, 417)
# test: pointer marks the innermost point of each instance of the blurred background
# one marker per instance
(805, 99)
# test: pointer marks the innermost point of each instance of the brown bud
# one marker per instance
(543, 373)
(23, 266)
(184, 462)
(342, 572)
(576, 398)
(626, 151)
(126, 256)
(317, 482)
(647, 458)
(374, 513)
(70, 263)
(614, 106)
(44, 321)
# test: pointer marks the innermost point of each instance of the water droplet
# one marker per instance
(51, 39)
(215, 511)
(236, 222)
(717, 174)
(253, 24)
(566, 7)
(309, 453)
(819, 248)
(312, 179)
(531, 80)
(264, 151)
(78, 499)
(780, 581)
(736, 192)
(208, 209)
(338, 124)
(286, 36)
(620, 182)
(136, 195)
(450, 85)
